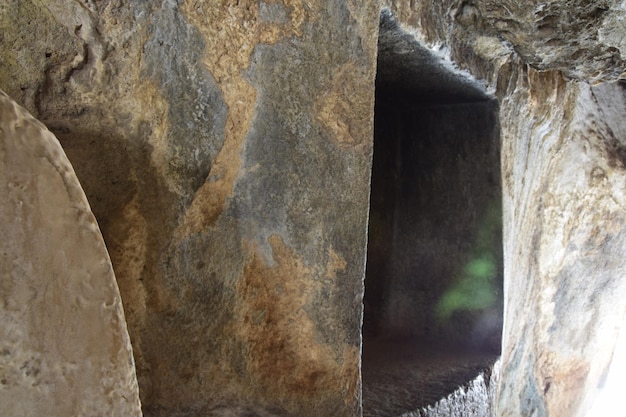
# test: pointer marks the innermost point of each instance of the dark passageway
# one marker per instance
(433, 296)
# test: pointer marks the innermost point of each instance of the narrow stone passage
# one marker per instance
(399, 377)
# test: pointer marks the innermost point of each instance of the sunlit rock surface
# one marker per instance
(64, 347)
(564, 191)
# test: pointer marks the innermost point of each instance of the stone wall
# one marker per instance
(564, 193)
(226, 153)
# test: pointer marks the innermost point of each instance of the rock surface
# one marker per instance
(583, 39)
(225, 150)
(473, 399)
(64, 347)
(564, 190)
(563, 169)
(404, 378)
(226, 153)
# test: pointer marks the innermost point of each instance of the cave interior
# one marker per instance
(433, 287)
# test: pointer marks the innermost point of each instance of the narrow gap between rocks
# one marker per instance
(433, 288)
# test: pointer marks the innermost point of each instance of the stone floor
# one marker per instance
(403, 377)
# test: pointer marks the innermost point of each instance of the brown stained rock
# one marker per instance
(193, 128)
(345, 114)
(211, 198)
(64, 348)
(196, 126)
(283, 350)
(563, 380)
(232, 31)
(28, 64)
(115, 103)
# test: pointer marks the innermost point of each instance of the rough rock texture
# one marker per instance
(583, 39)
(564, 190)
(473, 399)
(563, 170)
(401, 377)
(64, 347)
(225, 149)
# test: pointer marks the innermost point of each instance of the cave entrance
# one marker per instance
(433, 287)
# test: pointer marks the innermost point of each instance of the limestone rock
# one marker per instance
(581, 38)
(64, 347)
(226, 153)
(564, 190)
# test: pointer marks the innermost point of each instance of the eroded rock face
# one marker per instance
(583, 39)
(64, 347)
(564, 189)
(225, 151)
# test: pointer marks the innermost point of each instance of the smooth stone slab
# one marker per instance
(64, 347)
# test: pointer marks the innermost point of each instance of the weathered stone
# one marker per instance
(64, 347)
(473, 399)
(581, 38)
(411, 377)
(564, 190)
(225, 151)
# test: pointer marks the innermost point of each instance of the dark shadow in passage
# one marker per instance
(434, 272)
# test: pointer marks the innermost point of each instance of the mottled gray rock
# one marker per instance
(64, 347)
(225, 151)
(584, 39)
(564, 190)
